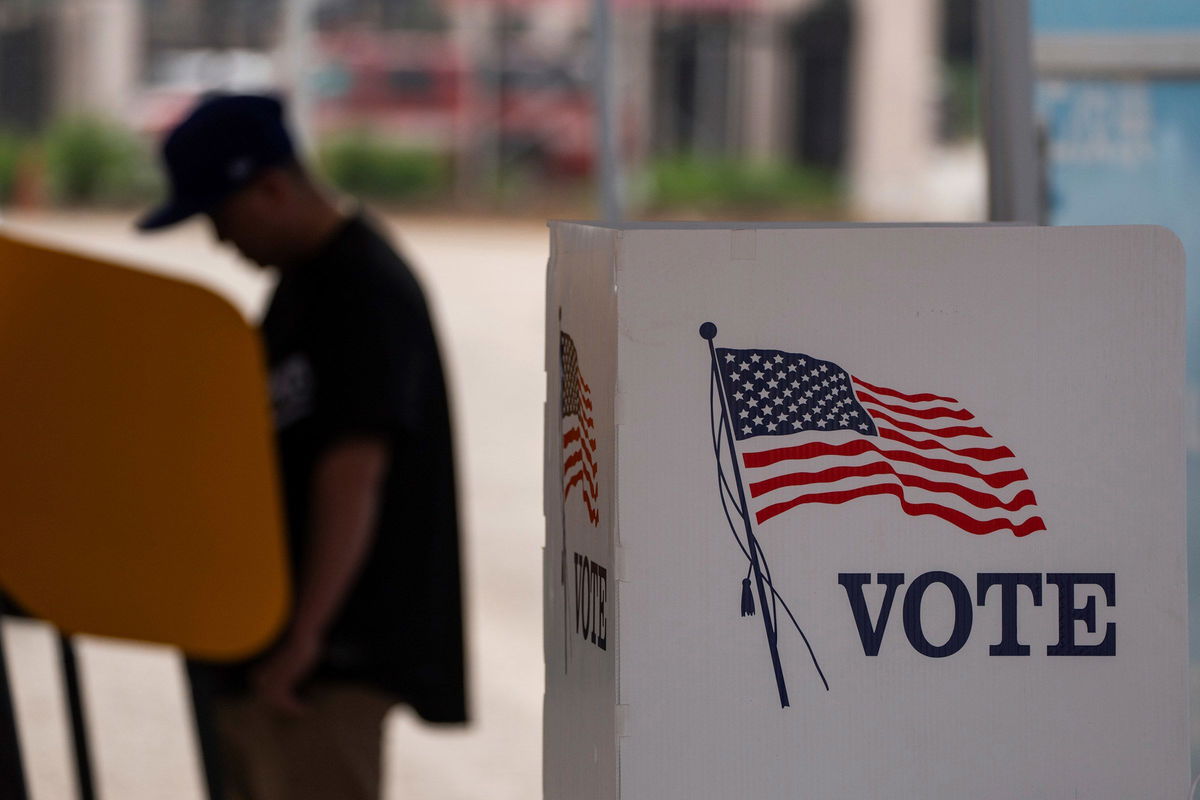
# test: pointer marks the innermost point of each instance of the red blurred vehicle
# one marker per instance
(547, 117)
(414, 88)
(408, 86)
(417, 89)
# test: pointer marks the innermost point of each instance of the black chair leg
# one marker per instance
(79, 738)
(12, 770)
(200, 683)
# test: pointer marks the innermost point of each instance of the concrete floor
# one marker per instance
(485, 280)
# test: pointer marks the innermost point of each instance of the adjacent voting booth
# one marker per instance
(137, 474)
(865, 512)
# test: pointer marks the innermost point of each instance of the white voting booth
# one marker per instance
(864, 512)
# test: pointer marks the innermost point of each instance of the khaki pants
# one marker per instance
(332, 752)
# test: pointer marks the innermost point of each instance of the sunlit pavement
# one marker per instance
(485, 279)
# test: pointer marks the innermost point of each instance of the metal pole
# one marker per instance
(1006, 89)
(562, 504)
(608, 167)
(297, 40)
(499, 165)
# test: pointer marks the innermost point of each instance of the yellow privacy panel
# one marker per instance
(138, 495)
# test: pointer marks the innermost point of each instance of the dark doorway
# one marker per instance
(821, 43)
(24, 63)
(691, 83)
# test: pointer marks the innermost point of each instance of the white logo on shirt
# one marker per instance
(292, 390)
(240, 168)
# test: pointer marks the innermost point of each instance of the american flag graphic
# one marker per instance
(579, 440)
(810, 432)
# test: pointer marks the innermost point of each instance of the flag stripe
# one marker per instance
(593, 515)
(575, 434)
(983, 500)
(912, 398)
(765, 458)
(584, 471)
(580, 474)
(575, 458)
(957, 430)
(1004, 493)
(583, 452)
(957, 518)
(977, 453)
(937, 412)
(911, 494)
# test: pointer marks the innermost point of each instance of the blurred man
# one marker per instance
(364, 446)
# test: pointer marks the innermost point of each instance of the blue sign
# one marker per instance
(1114, 16)
(1128, 152)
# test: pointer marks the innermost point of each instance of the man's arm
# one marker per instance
(347, 483)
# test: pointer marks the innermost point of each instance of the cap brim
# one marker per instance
(170, 213)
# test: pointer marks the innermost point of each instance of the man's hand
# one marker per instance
(347, 482)
(276, 678)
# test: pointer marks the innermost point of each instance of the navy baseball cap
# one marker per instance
(222, 144)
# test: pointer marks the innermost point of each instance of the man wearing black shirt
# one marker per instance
(365, 455)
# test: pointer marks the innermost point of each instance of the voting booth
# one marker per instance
(869, 511)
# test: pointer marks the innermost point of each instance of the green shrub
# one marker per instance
(12, 151)
(960, 101)
(371, 168)
(720, 184)
(90, 161)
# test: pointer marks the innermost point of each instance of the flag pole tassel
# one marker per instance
(747, 598)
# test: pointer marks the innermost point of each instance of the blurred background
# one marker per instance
(466, 123)
(763, 108)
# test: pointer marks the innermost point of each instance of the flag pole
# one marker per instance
(562, 507)
(708, 331)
